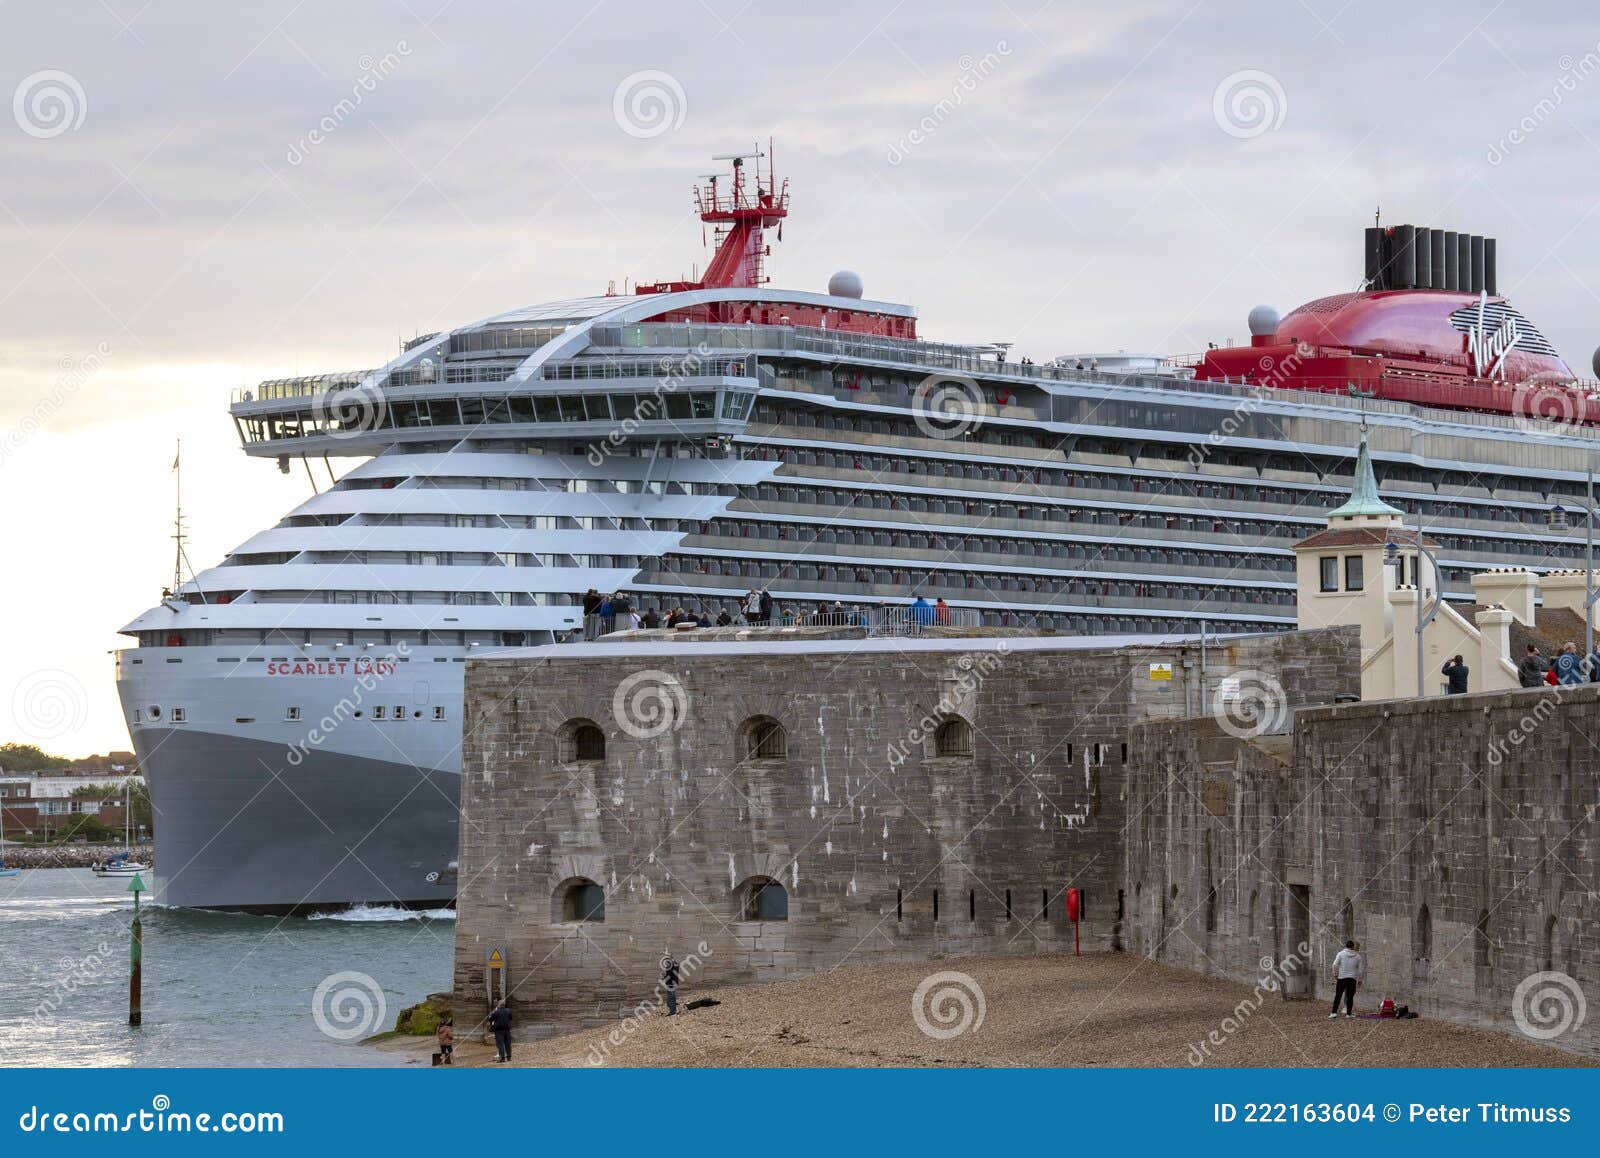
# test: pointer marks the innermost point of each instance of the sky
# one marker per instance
(195, 197)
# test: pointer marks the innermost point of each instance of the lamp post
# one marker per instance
(1391, 552)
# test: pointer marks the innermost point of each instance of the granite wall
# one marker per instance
(624, 772)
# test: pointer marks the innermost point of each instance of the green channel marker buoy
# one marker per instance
(136, 955)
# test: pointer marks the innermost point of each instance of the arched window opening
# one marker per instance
(1422, 944)
(580, 899)
(581, 741)
(589, 743)
(763, 738)
(954, 738)
(763, 899)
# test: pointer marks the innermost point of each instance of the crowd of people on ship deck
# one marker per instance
(607, 613)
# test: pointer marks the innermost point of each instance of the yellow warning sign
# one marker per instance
(1161, 671)
(496, 960)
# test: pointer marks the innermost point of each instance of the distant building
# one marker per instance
(45, 805)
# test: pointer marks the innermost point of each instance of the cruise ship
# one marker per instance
(297, 708)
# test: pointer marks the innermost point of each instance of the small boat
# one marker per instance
(8, 872)
(123, 864)
(120, 865)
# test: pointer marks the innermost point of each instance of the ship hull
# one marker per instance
(240, 827)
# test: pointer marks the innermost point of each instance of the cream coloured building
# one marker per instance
(1365, 569)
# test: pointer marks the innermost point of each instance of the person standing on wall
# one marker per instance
(1569, 665)
(1533, 668)
(669, 983)
(500, 1023)
(1456, 672)
(1349, 970)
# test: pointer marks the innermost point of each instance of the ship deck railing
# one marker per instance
(916, 353)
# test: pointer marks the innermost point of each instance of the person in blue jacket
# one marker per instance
(921, 612)
(1569, 665)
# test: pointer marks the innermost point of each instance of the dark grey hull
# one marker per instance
(239, 827)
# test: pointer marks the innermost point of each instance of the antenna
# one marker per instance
(737, 213)
(180, 560)
(177, 518)
(1362, 396)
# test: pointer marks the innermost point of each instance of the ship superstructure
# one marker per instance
(297, 708)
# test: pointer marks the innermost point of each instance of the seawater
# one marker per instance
(220, 989)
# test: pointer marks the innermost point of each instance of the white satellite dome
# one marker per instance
(1263, 321)
(845, 284)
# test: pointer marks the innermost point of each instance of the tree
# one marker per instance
(29, 758)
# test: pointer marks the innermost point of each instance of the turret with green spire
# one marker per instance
(1365, 502)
